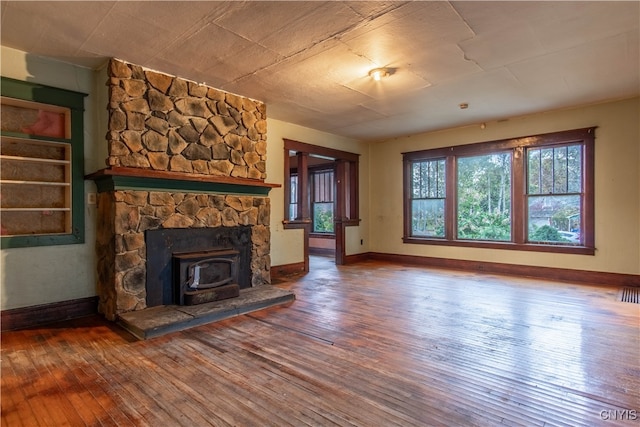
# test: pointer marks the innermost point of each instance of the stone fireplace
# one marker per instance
(185, 174)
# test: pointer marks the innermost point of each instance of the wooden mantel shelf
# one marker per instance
(123, 178)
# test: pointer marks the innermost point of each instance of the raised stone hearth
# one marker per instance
(156, 321)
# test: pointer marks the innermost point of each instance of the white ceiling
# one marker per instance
(308, 61)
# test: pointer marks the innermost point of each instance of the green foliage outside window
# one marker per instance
(484, 197)
(323, 217)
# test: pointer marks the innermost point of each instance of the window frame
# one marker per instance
(518, 147)
(74, 101)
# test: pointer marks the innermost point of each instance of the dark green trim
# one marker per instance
(27, 91)
(115, 182)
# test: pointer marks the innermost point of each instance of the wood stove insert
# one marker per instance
(207, 276)
(163, 246)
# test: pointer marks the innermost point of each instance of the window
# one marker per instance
(41, 159)
(484, 197)
(531, 193)
(554, 194)
(293, 196)
(322, 190)
(427, 198)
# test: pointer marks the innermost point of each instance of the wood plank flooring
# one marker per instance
(371, 344)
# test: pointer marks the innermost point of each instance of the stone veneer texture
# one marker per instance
(166, 123)
(120, 243)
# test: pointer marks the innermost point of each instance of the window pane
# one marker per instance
(293, 197)
(293, 211)
(322, 186)
(556, 170)
(428, 179)
(323, 217)
(484, 197)
(294, 188)
(427, 217)
(555, 219)
(574, 166)
(560, 170)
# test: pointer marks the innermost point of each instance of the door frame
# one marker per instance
(346, 209)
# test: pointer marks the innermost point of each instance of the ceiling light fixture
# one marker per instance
(378, 73)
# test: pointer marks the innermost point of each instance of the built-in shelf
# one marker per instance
(35, 160)
(41, 165)
(38, 183)
(35, 209)
(36, 186)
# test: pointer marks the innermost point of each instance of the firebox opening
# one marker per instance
(206, 276)
(164, 245)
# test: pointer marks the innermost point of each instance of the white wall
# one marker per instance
(617, 187)
(40, 275)
(287, 246)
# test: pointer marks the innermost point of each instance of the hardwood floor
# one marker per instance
(372, 344)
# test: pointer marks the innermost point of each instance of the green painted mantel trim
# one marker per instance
(130, 179)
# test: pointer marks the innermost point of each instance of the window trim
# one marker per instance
(74, 101)
(518, 147)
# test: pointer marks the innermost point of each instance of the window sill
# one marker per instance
(563, 249)
(296, 224)
(317, 235)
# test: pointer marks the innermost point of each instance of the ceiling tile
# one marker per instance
(270, 18)
(498, 48)
(551, 76)
(593, 21)
(38, 28)
(325, 23)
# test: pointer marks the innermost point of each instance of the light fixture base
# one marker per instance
(378, 73)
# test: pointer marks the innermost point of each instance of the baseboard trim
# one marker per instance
(27, 317)
(280, 271)
(355, 258)
(547, 273)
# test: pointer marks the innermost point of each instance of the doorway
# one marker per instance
(321, 197)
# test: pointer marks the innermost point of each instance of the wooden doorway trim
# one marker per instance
(346, 200)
